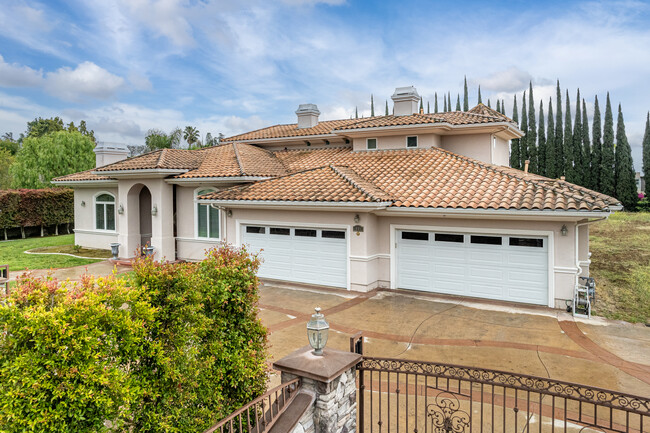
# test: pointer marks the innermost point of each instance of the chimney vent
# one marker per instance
(307, 115)
(109, 153)
(405, 101)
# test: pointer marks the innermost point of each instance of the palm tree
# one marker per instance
(191, 135)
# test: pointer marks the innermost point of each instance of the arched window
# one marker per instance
(105, 211)
(207, 218)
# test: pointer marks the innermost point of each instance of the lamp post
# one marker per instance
(317, 330)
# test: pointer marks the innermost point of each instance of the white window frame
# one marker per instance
(114, 203)
(196, 215)
(417, 142)
(376, 143)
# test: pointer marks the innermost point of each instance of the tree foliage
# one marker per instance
(541, 137)
(625, 185)
(646, 147)
(55, 154)
(515, 146)
(531, 136)
(550, 163)
(36, 207)
(607, 174)
(465, 96)
(6, 160)
(596, 149)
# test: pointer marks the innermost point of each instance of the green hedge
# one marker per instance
(174, 349)
(36, 207)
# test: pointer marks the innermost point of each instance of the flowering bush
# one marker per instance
(175, 348)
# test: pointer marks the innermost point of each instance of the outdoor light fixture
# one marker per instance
(229, 213)
(317, 330)
(154, 210)
(83, 203)
(564, 230)
(357, 218)
(120, 210)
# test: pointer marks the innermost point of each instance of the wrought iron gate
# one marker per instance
(397, 395)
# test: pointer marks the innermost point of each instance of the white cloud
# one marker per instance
(86, 80)
(14, 75)
(507, 80)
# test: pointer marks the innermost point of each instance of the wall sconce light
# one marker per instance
(357, 218)
(317, 331)
(83, 203)
(120, 209)
(154, 210)
(229, 213)
(564, 230)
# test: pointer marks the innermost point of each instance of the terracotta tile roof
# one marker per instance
(430, 178)
(291, 130)
(451, 117)
(487, 111)
(81, 176)
(182, 159)
(324, 184)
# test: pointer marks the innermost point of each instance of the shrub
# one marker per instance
(175, 348)
(36, 207)
(643, 205)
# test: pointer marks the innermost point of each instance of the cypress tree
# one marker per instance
(568, 141)
(523, 142)
(449, 100)
(558, 139)
(386, 108)
(356, 113)
(458, 102)
(489, 103)
(578, 158)
(541, 146)
(421, 105)
(498, 106)
(607, 174)
(428, 108)
(445, 107)
(531, 140)
(646, 147)
(515, 154)
(586, 149)
(480, 101)
(465, 97)
(596, 149)
(372, 106)
(435, 103)
(624, 172)
(551, 169)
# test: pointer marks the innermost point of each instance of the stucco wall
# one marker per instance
(473, 145)
(387, 142)
(86, 234)
(501, 151)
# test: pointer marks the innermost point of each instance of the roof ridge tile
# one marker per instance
(356, 184)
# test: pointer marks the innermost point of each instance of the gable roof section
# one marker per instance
(324, 127)
(181, 159)
(484, 110)
(81, 176)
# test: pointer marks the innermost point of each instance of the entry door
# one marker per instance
(504, 267)
(300, 254)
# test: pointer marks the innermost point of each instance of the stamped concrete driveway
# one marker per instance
(532, 340)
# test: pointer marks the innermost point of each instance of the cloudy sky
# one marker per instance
(229, 66)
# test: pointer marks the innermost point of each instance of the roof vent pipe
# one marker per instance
(307, 115)
(405, 101)
(527, 163)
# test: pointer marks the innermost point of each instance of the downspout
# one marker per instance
(577, 254)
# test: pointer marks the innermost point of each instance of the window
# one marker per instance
(280, 231)
(415, 236)
(412, 141)
(257, 230)
(371, 143)
(306, 233)
(333, 234)
(486, 240)
(207, 218)
(527, 242)
(105, 212)
(444, 237)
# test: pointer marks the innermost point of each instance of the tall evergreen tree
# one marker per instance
(435, 102)
(558, 139)
(480, 101)
(465, 97)
(445, 106)
(372, 106)
(515, 152)
(428, 108)
(421, 105)
(596, 149)
(458, 103)
(356, 113)
(531, 138)
(498, 106)
(449, 101)
(586, 149)
(624, 173)
(541, 145)
(646, 147)
(607, 185)
(490, 106)
(578, 158)
(551, 169)
(568, 141)
(386, 108)
(523, 141)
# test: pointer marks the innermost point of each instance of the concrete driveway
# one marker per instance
(410, 325)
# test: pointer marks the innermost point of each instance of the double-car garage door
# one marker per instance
(504, 267)
(300, 254)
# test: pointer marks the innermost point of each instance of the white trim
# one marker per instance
(565, 270)
(504, 232)
(347, 227)
(139, 172)
(497, 212)
(406, 142)
(370, 257)
(114, 202)
(96, 232)
(376, 143)
(80, 183)
(199, 240)
(195, 193)
(200, 180)
(282, 204)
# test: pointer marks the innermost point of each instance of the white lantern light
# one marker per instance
(317, 330)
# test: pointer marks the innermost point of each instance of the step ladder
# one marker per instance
(583, 296)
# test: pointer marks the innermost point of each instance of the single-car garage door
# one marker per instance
(509, 268)
(300, 254)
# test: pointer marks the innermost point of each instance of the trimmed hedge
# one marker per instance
(174, 349)
(36, 207)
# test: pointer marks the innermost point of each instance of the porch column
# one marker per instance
(162, 223)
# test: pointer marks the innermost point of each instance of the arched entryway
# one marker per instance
(145, 217)
(138, 213)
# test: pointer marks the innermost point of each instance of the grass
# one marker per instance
(12, 253)
(74, 250)
(620, 263)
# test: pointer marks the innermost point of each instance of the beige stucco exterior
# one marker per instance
(388, 142)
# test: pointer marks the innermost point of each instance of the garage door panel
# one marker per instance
(449, 270)
(485, 290)
(450, 287)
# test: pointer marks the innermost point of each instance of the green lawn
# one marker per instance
(12, 253)
(620, 263)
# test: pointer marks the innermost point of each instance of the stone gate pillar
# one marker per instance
(331, 380)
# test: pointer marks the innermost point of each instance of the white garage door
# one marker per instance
(300, 254)
(510, 268)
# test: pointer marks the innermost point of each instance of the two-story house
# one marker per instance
(414, 201)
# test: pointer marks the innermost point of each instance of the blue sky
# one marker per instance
(230, 66)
